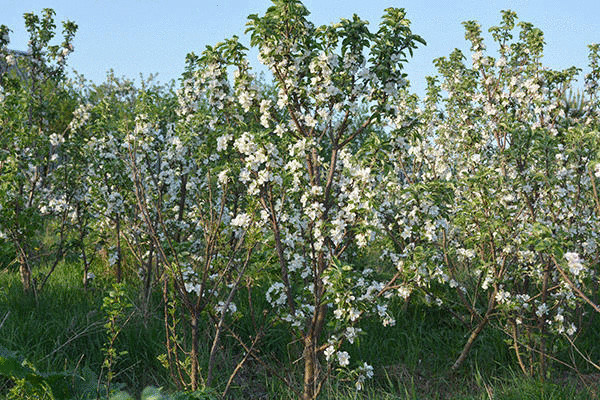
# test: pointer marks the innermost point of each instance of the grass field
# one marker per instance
(62, 330)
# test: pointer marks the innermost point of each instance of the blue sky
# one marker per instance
(153, 36)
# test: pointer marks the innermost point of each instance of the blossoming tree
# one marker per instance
(308, 165)
(32, 128)
(508, 198)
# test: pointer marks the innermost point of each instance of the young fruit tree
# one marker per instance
(507, 212)
(306, 161)
(35, 111)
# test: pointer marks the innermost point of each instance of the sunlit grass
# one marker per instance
(61, 329)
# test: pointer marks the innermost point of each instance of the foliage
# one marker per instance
(30, 383)
(34, 117)
(114, 306)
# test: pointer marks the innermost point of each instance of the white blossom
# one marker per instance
(343, 358)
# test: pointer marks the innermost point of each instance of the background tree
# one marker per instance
(36, 110)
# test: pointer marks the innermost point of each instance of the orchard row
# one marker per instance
(331, 184)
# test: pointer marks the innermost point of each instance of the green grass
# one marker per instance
(62, 330)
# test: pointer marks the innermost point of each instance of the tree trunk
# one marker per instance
(542, 325)
(310, 368)
(118, 269)
(147, 285)
(194, 355)
(311, 342)
(25, 272)
(484, 321)
(85, 263)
